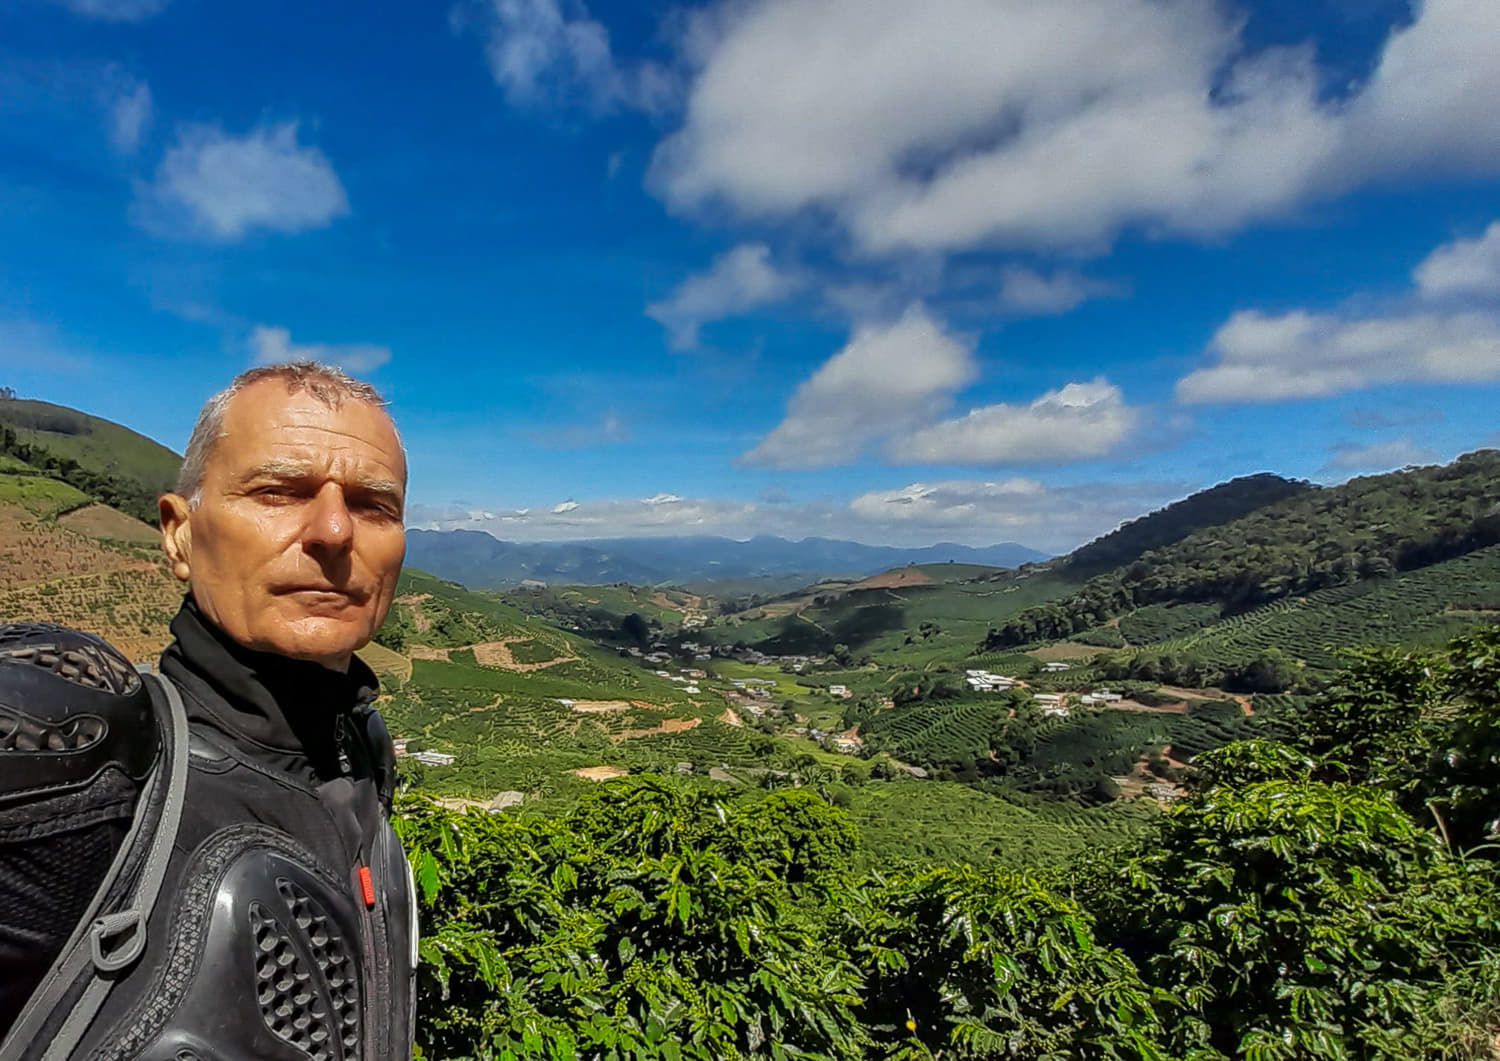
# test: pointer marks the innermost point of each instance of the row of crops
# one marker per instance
(933, 732)
(1426, 605)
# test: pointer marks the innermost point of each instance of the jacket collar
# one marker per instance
(280, 705)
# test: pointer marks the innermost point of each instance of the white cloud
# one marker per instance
(1076, 422)
(1463, 267)
(1053, 518)
(888, 377)
(955, 124)
(129, 117)
(272, 346)
(563, 507)
(550, 52)
(218, 186)
(116, 10)
(738, 280)
(1447, 332)
(1027, 292)
(1379, 456)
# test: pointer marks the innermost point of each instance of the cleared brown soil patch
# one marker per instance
(600, 773)
(497, 654)
(1178, 708)
(1196, 694)
(428, 652)
(894, 579)
(730, 717)
(101, 521)
(668, 725)
(52, 573)
(600, 707)
(1066, 650)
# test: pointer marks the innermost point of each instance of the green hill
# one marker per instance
(1208, 508)
(1314, 539)
(111, 463)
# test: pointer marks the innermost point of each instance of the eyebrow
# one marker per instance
(288, 470)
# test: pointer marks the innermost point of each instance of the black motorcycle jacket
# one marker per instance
(285, 927)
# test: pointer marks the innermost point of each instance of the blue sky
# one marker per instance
(963, 270)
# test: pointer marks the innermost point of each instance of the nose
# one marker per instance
(329, 529)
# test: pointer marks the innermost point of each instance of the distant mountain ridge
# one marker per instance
(481, 561)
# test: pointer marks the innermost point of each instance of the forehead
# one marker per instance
(265, 420)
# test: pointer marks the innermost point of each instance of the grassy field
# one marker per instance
(93, 442)
(38, 495)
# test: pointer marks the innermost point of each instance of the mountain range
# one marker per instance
(481, 561)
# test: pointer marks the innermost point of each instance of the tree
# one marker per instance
(635, 628)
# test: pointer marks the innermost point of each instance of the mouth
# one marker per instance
(324, 595)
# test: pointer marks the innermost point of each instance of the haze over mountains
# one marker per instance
(481, 561)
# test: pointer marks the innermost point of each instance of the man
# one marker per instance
(286, 922)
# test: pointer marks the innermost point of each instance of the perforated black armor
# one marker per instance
(286, 928)
(76, 737)
(71, 708)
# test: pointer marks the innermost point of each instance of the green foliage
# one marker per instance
(655, 922)
(1301, 920)
(977, 963)
(1464, 769)
(624, 933)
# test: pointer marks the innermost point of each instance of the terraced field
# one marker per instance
(1424, 606)
(101, 572)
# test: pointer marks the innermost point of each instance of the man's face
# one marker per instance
(296, 542)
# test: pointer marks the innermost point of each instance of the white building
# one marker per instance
(433, 758)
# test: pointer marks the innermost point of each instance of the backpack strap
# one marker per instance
(112, 935)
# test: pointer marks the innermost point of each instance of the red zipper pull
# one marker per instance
(366, 886)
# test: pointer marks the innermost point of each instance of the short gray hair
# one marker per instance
(331, 386)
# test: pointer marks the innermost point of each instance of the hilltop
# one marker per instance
(1316, 538)
(106, 460)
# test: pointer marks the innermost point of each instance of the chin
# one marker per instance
(319, 640)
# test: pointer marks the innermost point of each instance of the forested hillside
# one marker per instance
(1213, 507)
(1315, 539)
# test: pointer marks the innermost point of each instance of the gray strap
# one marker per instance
(113, 941)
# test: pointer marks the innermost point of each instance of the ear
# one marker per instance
(176, 533)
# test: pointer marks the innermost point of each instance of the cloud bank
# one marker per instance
(888, 377)
(1446, 331)
(960, 124)
(971, 512)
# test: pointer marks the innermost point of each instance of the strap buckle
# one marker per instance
(117, 940)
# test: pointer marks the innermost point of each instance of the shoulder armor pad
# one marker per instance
(70, 706)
